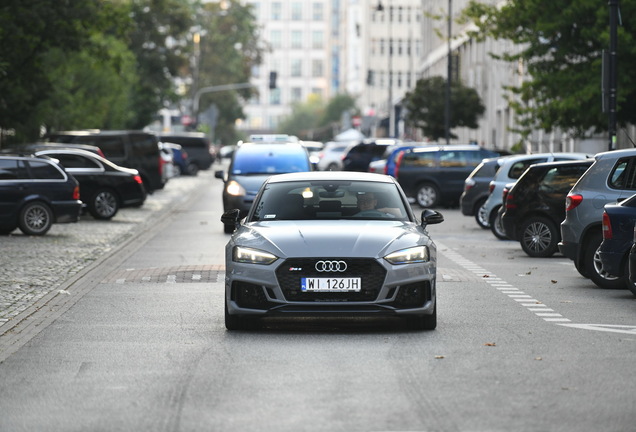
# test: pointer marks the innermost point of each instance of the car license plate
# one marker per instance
(330, 284)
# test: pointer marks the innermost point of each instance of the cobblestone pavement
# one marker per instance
(32, 266)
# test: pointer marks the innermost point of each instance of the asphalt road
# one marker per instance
(134, 341)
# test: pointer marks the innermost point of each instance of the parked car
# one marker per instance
(611, 178)
(130, 149)
(327, 243)
(366, 151)
(535, 205)
(104, 186)
(313, 148)
(476, 189)
(36, 192)
(251, 165)
(618, 223)
(201, 154)
(435, 175)
(180, 159)
(393, 154)
(168, 167)
(330, 158)
(631, 258)
(509, 172)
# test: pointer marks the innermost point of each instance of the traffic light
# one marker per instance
(272, 80)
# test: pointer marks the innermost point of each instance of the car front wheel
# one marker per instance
(594, 265)
(539, 237)
(36, 218)
(423, 322)
(104, 204)
(427, 195)
(496, 224)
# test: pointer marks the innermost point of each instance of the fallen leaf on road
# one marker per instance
(439, 356)
(490, 344)
(553, 281)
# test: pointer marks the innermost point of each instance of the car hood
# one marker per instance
(331, 238)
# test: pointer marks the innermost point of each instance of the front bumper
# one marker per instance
(274, 290)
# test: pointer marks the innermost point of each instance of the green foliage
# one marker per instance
(229, 50)
(313, 119)
(426, 107)
(560, 44)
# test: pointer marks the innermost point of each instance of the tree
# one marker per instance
(425, 107)
(229, 50)
(560, 43)
(28, 30)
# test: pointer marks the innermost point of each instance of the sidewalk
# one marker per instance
(34, 267)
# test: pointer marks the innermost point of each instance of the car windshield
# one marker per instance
(270, 162)
(313, 200)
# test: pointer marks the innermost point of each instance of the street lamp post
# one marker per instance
(389, 73)
(447, 111)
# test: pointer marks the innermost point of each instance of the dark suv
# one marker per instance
(201, 154)
(131, 149)
(362, 154)
(251, 165)
(36, 192)
(435, 175)
(476, 189)
(535, 205)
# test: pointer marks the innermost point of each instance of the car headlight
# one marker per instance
(252, 256)
(235, 189)
(407, 256)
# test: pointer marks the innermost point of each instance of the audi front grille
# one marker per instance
(290, 272)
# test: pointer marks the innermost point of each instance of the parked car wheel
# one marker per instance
(480, 214)
(104, 204)
(427, 195)
(628, 283)
(36, 218)
(594, 266)
(193, 169)
(539, 237)
(332, 167)
(496, 225)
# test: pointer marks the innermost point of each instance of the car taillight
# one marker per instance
(607, 226)
(138, 179)
(510, 201)
(491, 187)
(101, 153)
(76, 193)
(468, 184)
(184, 155)
(398, 162)
(161, 164)
(572, 201)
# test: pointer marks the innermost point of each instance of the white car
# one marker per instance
(332, 154)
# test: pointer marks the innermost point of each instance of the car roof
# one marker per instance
(331, 175)
(435, 148)
(521, 157)
(258, 148)
(567, 162)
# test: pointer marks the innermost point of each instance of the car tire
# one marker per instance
(427, 195)
(423, 322)
(594, 266)
(539, 237)
(333, 167)
(236, 322)
(628, 283)
(104, 204)
(496, 224)
(36, 218)
(192, 169)
(480, 214)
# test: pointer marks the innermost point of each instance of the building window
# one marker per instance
(296, 68)
(317, 68)
(296, 11)
(274, 96)
(317, 39)
(296, 94)
(276, 39)
(296, 39)
(277, 11)
(317, 11)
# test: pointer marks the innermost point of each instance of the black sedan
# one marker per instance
(618, 237)
(104, 186)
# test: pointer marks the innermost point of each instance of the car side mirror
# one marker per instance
(220, 174)
(231, 217)
(431, 217)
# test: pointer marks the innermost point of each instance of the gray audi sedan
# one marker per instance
(330, 243)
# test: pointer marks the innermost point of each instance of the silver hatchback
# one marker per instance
(330, 243)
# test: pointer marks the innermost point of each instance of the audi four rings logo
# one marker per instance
(331, 266)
